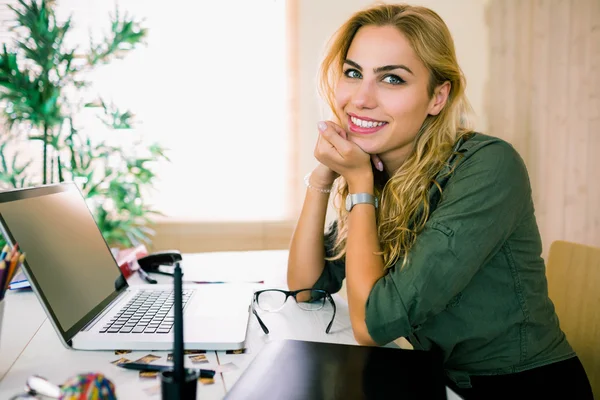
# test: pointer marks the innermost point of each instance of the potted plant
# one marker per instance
(44, 93)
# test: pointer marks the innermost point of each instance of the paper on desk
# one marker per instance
(19, 281)
(243, 266)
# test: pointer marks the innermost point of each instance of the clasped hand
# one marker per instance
(344, 157)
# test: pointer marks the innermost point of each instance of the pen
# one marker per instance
(204, 373)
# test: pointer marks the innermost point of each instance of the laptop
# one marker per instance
(90, 304)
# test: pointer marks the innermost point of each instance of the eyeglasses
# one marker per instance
(271, 300)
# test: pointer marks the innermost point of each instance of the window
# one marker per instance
(211, 85)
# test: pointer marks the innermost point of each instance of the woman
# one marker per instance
(435, 234)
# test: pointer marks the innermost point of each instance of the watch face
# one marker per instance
(348, 202)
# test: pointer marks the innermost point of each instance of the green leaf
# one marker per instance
(40, 84)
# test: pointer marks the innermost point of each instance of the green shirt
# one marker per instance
(474, 285)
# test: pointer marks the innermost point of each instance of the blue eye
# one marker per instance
(393, 80)
(352, 73)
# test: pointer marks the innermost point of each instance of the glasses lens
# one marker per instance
(311, 300)
(271, 300)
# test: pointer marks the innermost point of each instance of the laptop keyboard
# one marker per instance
(148, 312)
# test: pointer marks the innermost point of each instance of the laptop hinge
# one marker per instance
(120, 283)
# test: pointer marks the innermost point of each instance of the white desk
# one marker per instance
(29, 345)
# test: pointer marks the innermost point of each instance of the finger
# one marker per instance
(340, 131)
(325, 151)
(329, 133)
(323, 144)
(328, 124)
(377, 162)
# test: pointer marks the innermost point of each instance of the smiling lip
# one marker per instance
(362, 130)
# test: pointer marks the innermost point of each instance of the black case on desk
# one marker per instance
(298, 370)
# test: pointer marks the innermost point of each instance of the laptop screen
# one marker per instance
(67, 260)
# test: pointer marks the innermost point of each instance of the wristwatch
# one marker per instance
(360, 198)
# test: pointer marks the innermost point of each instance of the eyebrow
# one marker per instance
(380, 69)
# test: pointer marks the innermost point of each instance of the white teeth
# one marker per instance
(365, 124)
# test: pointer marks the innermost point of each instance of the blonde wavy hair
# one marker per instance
(404, 206)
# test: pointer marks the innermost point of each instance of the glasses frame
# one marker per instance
(289, 294)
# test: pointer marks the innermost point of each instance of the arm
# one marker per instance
(480, 207)
(307, 250)
(307, 266)
(363, 266)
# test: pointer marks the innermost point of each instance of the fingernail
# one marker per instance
(380, 166)
(322, 126)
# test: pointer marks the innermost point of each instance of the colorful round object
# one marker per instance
(88, 387)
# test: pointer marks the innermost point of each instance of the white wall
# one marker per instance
(318, 20)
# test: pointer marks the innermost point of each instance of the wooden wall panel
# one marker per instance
(545, 99)
(555, 170)
(592, 99)
(575, 223)
(536, 157)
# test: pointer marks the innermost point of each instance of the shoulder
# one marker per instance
(490, 154)
(485, 166)
(487, 173)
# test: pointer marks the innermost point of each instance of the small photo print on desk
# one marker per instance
(148, 374)
(238, 351)
(121, 360)
(198, 359)
(207, 381)
(188, 352)
(147, 359)
(194, 352)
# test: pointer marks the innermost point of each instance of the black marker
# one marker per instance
(178, 368)
(204, 373)
(178, 383)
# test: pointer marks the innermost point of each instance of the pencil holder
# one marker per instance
(186, 390)
(1, 314)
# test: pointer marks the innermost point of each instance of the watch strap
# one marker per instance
(360, 198)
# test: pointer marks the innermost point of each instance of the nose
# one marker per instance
(364, 96)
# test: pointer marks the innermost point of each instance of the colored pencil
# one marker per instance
(9, 265)
(10, 253)
(3, 274)
(11, 270)
(5, 251)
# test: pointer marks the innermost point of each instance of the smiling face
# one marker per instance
(382, 95)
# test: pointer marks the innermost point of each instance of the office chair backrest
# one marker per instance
(574, 286)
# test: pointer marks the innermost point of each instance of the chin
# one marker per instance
(367, 145)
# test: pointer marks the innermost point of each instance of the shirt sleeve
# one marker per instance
(335, 271)
(479, 209)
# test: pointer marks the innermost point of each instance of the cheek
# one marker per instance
(342, 95)
(404, 107)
